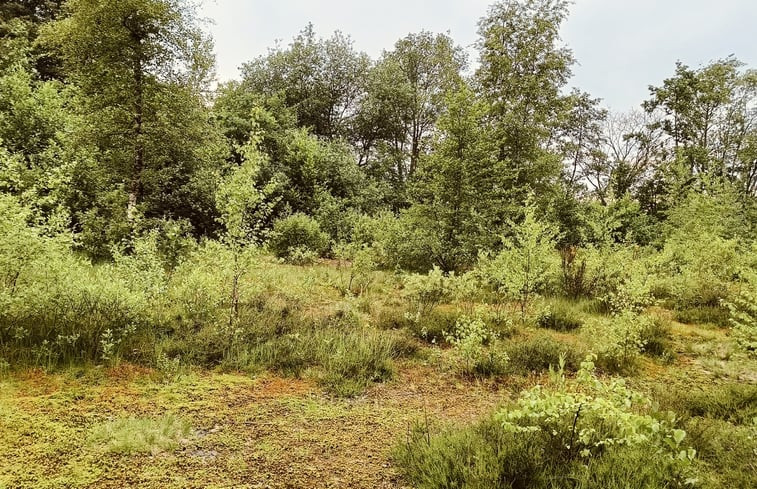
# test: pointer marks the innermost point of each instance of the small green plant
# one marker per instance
(473, 344)
(702, 315)
(522, 269)
(425, 292)
(618, 340)
(594, 434)
(141, 435)
(582, 420)
(356, 266)
(540, 352)
(170, 369)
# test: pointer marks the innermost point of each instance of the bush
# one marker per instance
(594, 434)
(725, 451)
(655, 335)
(474, 348)
(540, 352)
(743, 318)
(353, 360)
(343, 359)
(431, 327)
(298, 235)
(734, 403)
(559, 316)
(618, 341)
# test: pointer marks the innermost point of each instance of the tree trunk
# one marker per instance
(135, 186)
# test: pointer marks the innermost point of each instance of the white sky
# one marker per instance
(622, 46)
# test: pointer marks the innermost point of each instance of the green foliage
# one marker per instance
(425, 292)
(559, 316)
(522, 269)
(584, 420)
(141, 435)
(452, 206)
(474, 346)
(716, 315)
(656, 336)
(743, 318)
(297, 231)
(540, 353)
(600, 435)
(357, 262)
(619, 340)
(144, 145)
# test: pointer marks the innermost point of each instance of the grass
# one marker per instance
(560, 315)
(311, 385)
(140, 435)
(539, 352)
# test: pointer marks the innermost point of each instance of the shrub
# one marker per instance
(559, 316)
(140, 435)
(594, 434)
(474, 347)
(619, 340)
(425, 292)
(522, 269)
(580, 269)
(353, 360)
(62, 309)
(699, 269)
(344, 359)
(743, 318)
(655, 335)
(431, 327)
(356, 265)
(734, 403)
(726, 452)
(402, 243)
(540, 352)
(297, 234)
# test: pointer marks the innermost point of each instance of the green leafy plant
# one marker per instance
(587, 418)
(743, 318)
(474, 345)
(522, 269)
(297, 232)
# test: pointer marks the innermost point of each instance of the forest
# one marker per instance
(424, 269)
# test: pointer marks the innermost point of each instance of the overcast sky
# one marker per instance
(622, 46)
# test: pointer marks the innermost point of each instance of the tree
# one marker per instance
(244, 209)
(522, 70)
(455, 188)
(521, 269)
(709, 120)
(20, 21)
(140, 68)
(320, 79)
(425, 67)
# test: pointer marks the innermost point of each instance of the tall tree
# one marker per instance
(22, 19)
(522, 70)
(709, 118)
(404, 97)
(321, 79)
(140, 68)
(455, 192)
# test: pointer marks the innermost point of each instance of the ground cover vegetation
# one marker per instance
(338, 271)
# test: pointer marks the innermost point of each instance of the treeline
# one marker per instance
(110, 129)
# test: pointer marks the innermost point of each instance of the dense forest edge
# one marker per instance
(449, 272)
